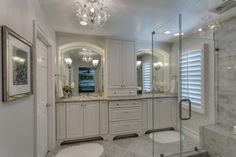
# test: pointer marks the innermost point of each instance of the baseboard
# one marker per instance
(192, 133)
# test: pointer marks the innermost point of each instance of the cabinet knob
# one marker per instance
(117, 104)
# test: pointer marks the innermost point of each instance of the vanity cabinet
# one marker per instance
(164, 110)
(91, 119)
(77, 120)
(74, 120)
(121, 66)
(124, 117)
(61, 121)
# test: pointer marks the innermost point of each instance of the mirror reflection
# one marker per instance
(161, 71)
(83, 69)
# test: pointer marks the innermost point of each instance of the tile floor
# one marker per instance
(138, 147)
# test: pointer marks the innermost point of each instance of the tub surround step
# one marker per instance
(218, 140)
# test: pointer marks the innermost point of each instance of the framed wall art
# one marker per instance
(16, 65)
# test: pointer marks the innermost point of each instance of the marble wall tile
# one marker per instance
(226, 73)
(218, 141)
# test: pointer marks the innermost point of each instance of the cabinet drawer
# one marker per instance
(124, 127)
(119, 104)
(122, 92)
(118, 114)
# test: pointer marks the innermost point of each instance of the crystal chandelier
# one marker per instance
(92, 13)
(87, 59)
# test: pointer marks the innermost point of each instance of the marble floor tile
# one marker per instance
(138, 147)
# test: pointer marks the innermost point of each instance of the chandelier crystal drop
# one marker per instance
(87, 59)
(92, 13)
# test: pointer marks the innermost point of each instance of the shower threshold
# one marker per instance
(199, 153)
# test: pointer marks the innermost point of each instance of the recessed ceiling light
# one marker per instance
(199, 29)
(167, 32)
(84, 49)
(83, 23)
(176, 34)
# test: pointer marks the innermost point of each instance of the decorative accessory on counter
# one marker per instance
(173, 84)
(17, 65)
(67, 91)
(140, 90)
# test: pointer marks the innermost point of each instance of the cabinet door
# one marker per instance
(91, 119)
(103, 117)
(74, 120)
(61, 124)
(129, 65)
(164, 112)
(149, 114)
(114, 63)
(144, 114)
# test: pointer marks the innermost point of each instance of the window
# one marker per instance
(192, 78)
(147, 74)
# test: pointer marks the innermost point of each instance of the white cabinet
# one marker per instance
(115, 62)
(74, 120)
(81, 119)
(144, 114)
(164, 113)
(61, 121)
(121, 65)
(129, 65)
(91, 119)
(124, 117)
(103, 117)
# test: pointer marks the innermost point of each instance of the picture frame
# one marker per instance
(17, 70)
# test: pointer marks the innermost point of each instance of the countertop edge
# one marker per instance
(67, 100)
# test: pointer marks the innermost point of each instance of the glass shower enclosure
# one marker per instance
(183, 74)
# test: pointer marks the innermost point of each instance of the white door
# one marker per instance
(41, 99)
(74, 120)
(91, 119)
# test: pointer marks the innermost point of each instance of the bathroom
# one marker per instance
(156, 79)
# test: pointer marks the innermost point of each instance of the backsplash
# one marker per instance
(226, 73)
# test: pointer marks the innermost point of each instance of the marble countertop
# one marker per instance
(102, 98)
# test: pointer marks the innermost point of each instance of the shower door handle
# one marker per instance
(189, 109)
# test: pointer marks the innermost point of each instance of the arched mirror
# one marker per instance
(81, 67)
(161, 71)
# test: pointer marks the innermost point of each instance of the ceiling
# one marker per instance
(130, 19)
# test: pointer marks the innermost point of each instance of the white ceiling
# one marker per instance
(130, 19)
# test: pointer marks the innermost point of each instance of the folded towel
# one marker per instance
(60, 90)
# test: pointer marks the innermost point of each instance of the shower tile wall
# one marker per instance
(226, 71)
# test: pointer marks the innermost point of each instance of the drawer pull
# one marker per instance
(117, 104)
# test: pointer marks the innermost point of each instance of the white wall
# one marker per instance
(65, 38)
(17, 137)
(190, 43)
